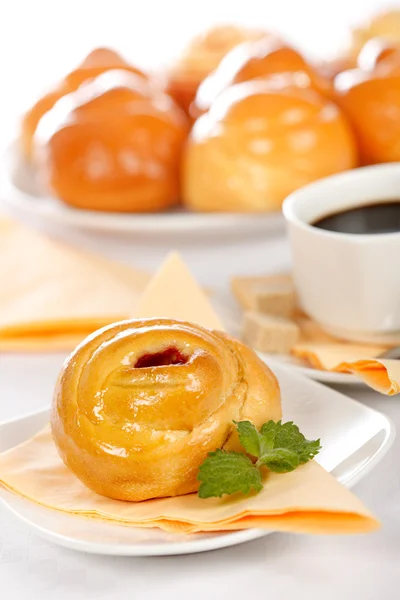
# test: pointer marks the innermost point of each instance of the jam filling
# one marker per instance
(169, 356)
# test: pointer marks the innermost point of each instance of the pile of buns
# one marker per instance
(241, 120)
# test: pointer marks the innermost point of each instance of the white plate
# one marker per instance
(354, 439)
(317, 374)
(20, 191)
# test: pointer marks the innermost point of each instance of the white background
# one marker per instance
(39, 41)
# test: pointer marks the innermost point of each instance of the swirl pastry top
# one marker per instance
(139, 405)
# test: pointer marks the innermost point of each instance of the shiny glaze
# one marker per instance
(385, 26)
(261, 140)
(137, 433)
(253, 60)
(370, 96)
(97, 62)
(114, 144)
(202, 56)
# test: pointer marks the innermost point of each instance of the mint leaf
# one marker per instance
(280, 460)
(249, 437)
(226, 473)
(288, 436)
(280, 447)
(267, 435)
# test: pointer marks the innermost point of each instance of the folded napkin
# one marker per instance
(323, 351)
(307, 500)
(53, 296)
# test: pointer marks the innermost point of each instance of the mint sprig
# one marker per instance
(280, 447)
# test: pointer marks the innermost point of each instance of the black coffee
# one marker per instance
(370, 218)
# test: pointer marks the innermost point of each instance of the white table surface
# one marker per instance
(278, 567)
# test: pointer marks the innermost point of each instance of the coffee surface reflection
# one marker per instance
(372, 218)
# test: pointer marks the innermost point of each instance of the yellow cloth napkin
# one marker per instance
(52, 296)
(307, 500)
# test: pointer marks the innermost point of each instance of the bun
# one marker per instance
(113, 145)
(139, 405)
(261, 140)
(254, 60)
(384, 25)
(97, 62)
(201, 57)
(370, 96)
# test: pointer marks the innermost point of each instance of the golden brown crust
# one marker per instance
(253, 60)
(202, 56)
(134, 431)
(370, 97)
(384, 25)
(261, 140)
(113, 145)
(98, 61)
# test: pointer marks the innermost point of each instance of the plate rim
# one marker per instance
(191, 546)
(315, 374)
(231, 538)
(54, 211)
(216, 542)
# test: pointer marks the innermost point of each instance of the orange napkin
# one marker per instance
(306, 500)
(325, 352)
(322, 351)
(52, 296)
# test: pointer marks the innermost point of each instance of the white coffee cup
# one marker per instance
(348, 283)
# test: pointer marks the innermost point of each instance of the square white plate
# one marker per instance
(354, 439)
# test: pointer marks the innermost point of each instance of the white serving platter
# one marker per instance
(354, 438)
(20, 191)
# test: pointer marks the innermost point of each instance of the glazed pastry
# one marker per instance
(139, 405)
(252, 60)
(384, 25)
(113, 145)
(370, 96)
(201, 57)
(97, 62)
(261, 140)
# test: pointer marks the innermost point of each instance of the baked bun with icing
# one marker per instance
(202, 56)
(370, 97)
(140, 404)
(114, 144)
(261, 140)
(97, 62)
(254, 60)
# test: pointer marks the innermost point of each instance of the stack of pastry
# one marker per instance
(266, 122)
